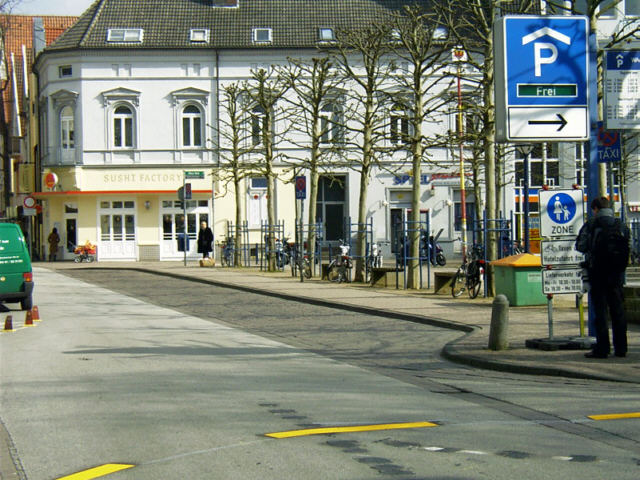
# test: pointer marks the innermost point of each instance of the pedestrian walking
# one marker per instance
(54, 241)
(205, 240)
(604, 240)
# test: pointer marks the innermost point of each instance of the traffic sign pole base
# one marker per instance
(560, 343)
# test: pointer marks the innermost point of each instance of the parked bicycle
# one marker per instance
(227, 253)
(339, 266)
(469, 274)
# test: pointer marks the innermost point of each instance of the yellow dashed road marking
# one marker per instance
(358, 428)
(96, 472)
(615, 416)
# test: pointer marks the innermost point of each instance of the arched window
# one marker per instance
(258, 124)
(399, 126)
(191, 127)
(67, 130)
(330, 123)
(123, 127)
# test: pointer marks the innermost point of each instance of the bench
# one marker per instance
(442, 280)
(384, 276)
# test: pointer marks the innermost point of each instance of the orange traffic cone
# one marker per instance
(35, 314)
(8, 324)
(28, 322)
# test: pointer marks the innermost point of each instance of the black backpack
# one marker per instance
(610, 250)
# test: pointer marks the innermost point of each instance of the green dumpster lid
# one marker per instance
(520, 260)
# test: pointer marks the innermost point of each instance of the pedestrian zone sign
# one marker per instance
(561, 212)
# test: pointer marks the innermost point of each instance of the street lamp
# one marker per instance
(525, 150)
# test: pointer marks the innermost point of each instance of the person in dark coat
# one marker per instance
(606, 289)
(205, 240)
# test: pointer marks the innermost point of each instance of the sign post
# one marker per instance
(561, 217)
(301, 194)
(541, 80)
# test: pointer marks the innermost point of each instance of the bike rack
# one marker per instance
(244, 247)
(354, 229)
(303, 231)
(408, 227)
(267, 231)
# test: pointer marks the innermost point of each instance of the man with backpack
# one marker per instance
(604, 240)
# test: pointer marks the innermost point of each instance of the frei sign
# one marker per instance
(541, 78)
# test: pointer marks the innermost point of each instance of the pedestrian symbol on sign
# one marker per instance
(561, 208)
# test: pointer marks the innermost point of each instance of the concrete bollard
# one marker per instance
(499, 323)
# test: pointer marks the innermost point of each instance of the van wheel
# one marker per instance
(26, 303)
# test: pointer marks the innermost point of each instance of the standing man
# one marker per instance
(604, 240)
(205, 240)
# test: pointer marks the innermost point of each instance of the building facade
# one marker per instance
(130, 99)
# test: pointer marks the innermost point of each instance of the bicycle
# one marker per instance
(469, 274)
(227, 254)
(337, 271)
(302, 263)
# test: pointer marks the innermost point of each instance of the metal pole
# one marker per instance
(213, 215)
(526, 202)
(550, 314)
(184, 218)
(463, 199)
(301, 254)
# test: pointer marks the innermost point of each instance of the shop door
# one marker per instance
(70, 234)
(117, 231)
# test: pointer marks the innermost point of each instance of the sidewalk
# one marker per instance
(471, 317)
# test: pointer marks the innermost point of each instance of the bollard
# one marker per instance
(499, 323)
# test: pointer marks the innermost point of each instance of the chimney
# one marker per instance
(39, 41)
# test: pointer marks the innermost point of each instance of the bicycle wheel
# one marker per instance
(306, 268)
(334, 273)
(473, 280)
(458, 282)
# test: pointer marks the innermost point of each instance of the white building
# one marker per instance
(129, 101)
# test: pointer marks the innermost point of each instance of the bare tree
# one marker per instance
(316, 120)
(234, 151)
(362, 56)
(415, 43)
(469, 24)
(264, 92)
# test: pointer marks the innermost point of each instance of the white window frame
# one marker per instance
(67, 129)
(400, 126)
(257, 33)
(332, 130)
(125, 35)
(122, 118)
(199, 35)
(326, 34)
(192, 119)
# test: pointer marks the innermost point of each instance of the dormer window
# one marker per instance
(199, 35)
(396, 36)
(262, 35)
(133, 35)
(440, 34)
(326, 35)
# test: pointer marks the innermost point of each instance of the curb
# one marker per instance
(450, 351)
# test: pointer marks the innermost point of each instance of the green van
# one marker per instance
(16, 278)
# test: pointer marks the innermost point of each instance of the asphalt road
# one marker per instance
(183, 380)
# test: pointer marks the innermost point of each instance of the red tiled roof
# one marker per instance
(17, 31)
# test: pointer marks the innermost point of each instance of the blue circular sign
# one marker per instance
(561, 208)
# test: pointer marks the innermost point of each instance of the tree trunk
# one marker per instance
(237, 183)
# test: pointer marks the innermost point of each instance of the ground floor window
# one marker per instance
(330, 207)
(117, 221)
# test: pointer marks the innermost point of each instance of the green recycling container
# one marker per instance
(519, 278)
